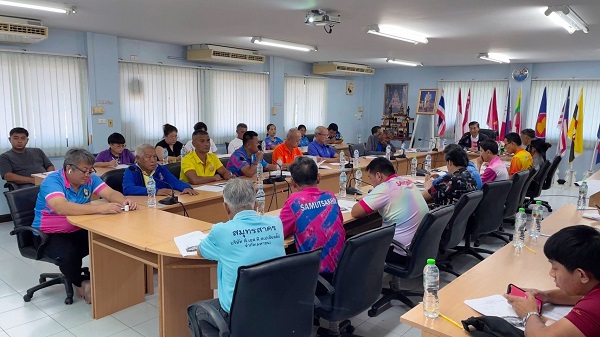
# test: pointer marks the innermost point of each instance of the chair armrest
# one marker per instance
(402, 247)
(11, 186)
(217, 318)
(330, 289)
(316, 303)
(43, 236)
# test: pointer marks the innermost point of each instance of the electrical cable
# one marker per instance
(330, 29)
(185, 213)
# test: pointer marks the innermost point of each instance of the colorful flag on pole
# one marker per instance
(517, 117)
(540, 125)
(563, 123)
(598, 142)
(441, 113)
(465, 123)
(576, 129)
(459, 119)
(492, 118)
(506, 125)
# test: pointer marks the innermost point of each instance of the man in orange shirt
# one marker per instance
(522, 160)
(288, 150)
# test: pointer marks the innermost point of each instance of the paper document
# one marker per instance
(279, 173)
(120, 166)
(346, 205)
(371, 157)
(555, 312)
(209, 188)
(591, 215)
(496, 305)
(188, 243)
(334, 164)
(224, 155)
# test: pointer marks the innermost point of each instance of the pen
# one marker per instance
(451, 321)
(529, 249)
(191, 249)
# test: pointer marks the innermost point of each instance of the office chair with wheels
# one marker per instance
(424, 245)
(11, 186)
(492, 134)
(22, 203)
(114, 179)
(175, 168)
(543, 185)
(356, 282)
(272, 298)
(486, 218)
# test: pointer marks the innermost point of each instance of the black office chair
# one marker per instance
(492, 134)
(21, 203)
(424, 245)
(227, 147)
(11, 186)
(224, 161)
(535, 187)
(356, 281)
(547, 183)
(268, 157)
(486, 219)
(310, 137)
(359, 147)
(114, 179)
(271, 298)
(174, 168)
(457, 226)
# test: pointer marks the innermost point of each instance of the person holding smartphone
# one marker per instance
(573, 254)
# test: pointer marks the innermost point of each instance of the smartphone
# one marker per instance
(516, 291)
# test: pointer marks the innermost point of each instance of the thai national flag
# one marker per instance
(441, 113)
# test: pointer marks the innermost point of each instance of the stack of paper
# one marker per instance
(188, 243)
(346, 205)
(209, 188)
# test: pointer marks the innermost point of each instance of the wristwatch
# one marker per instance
(529, 314)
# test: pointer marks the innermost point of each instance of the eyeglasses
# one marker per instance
(119, 145)
(149, 158)
(322, 134)
(92, 170)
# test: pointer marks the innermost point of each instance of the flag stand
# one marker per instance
(569, 177)
(412, 137)
(589, 172)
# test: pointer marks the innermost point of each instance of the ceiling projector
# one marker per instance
(318, 17)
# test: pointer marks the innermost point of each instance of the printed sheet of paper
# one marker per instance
(188, 243)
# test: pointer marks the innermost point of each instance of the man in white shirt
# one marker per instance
(235, 144)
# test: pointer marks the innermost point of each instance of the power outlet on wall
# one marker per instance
(110, 122)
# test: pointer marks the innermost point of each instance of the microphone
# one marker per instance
(429, 143)
(171, 200)
(280, 178)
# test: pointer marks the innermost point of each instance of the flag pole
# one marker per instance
(589, 172)
(570, 176)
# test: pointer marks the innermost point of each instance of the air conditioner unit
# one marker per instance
(341, 69)
(225, 55)
(18, 30)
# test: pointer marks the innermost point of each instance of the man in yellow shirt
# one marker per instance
(288, 150)
(522, 160)
(200, 166)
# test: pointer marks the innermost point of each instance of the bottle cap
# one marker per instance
(430, 261)
(539, 202)
(521, 210)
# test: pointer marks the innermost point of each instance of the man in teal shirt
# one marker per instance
(247, 238)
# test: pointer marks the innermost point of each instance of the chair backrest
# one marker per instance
(114, 179)
(512, 200)
(457, 226)
(492, 134)
(551, 172)
(532, 175)
(21, 203)
(362, 261)
(490, 212)
(224, 161)
(310, 137)
(268, 157)
(359, 147)
(535, 187)
(174, 168)
(426, 242)
(276, 297)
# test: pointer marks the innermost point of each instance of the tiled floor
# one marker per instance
(47, 315)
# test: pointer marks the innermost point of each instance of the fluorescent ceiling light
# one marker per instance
(565, 17)
(41, 6)
(282, 44)
(397, 33)
(494, 57)
(404, 62)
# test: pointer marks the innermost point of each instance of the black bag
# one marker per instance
(491, 326)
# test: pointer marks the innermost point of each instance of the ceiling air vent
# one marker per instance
(341, 69)
(17, 30)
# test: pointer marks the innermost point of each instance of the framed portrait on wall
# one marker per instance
(427, 101)
(395, 98)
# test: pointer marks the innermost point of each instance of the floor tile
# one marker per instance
(368, 329)
(63, 334)
(19, 316)
(102, 327)
(6, 290)
(74, 316)
(127, 333)
(137, 314)
(148, 328)
(413, 332)
(39, 328)
(11, 302)
(3, 334)
(55, 305)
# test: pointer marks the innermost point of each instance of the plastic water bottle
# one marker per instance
(259, 174)
(342, 159)
(427, 164)
(536, 224)
(431, 285)
(582, 200)
(519, 236)
(165, 156)
(388, 152)
(358, 176)
(444, 144)
(279, 164)
(260, 200)
(359, 138)
(151, 187)
(343, 183)
(413, 167)
(355, 161)
(403, 149)
(183, 152)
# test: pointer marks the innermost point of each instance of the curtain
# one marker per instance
(153, 95)
(481, 95)
(232, 97)
(305, 102)
(48, 96)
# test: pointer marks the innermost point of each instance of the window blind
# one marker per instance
(305, 102)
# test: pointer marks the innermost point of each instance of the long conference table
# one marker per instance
(123, 245)
(492, 276)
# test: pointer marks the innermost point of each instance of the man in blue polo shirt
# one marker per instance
(244, 160)
(319, 147)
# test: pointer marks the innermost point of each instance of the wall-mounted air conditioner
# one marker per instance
(341, 69)
(225, 55)
(17, 30)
